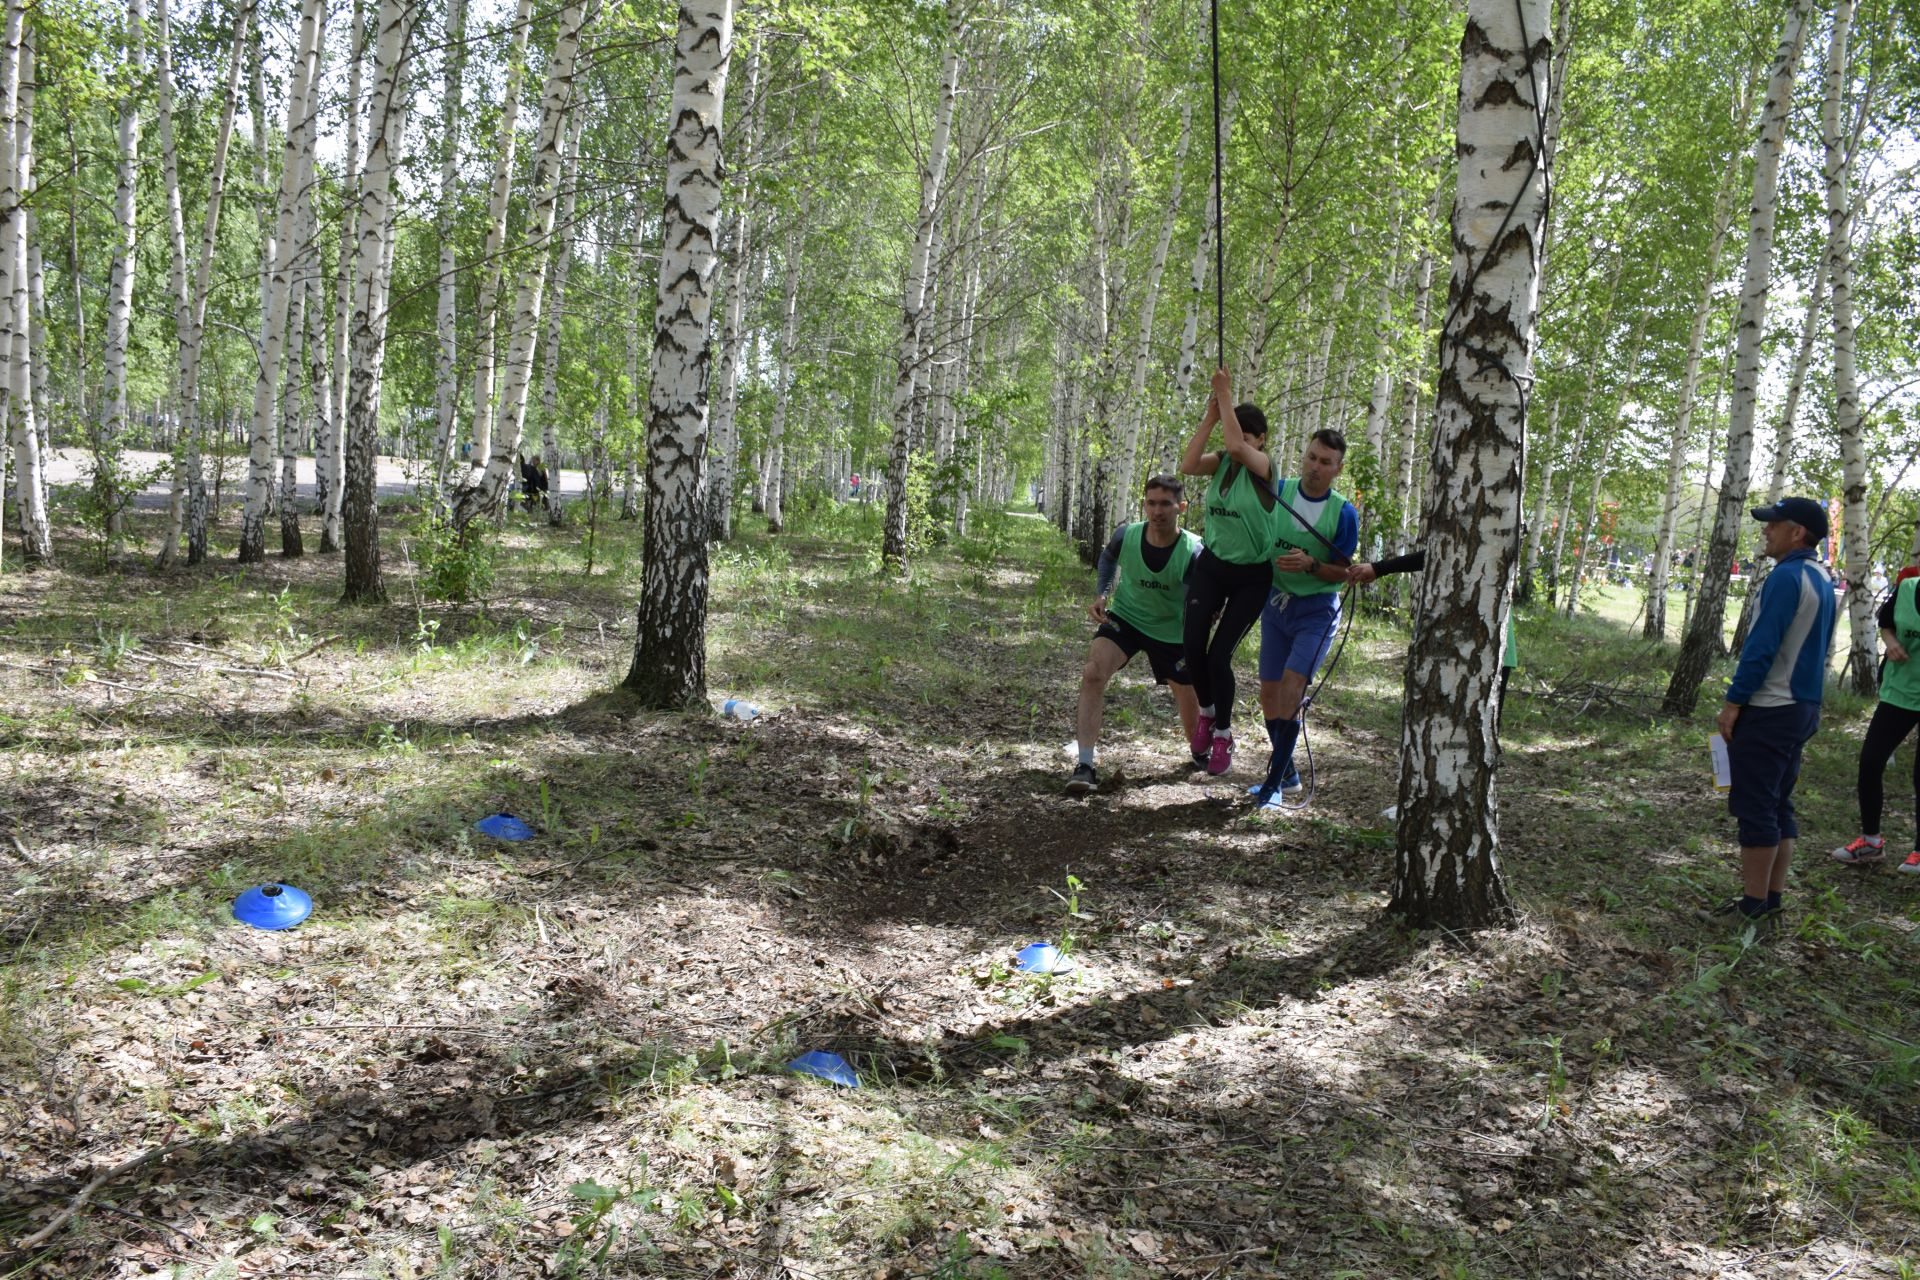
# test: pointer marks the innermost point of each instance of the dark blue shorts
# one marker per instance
(1165, 657)
(1765, 759)
(1295, 633)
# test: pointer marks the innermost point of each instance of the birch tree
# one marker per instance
(189, 291)
(1703, 638)
(735, 270)
(330, 464)
(373, 229)
(486, 494)
(1136, 401)
(446, 387)
(493, 264)
(913, 297)
(119, 319)
(669, 668)
(556, 329)
(1855, 536)
(1447, 869)
(16, 385)
(273, 323)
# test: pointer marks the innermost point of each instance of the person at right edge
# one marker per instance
(1893, 720)
(1772, 706)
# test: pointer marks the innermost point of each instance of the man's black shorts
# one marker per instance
(1163, 656)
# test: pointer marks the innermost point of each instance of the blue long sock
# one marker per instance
(1283, 734)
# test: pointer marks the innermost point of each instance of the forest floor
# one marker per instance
(566, 1056)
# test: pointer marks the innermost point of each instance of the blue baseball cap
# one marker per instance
(1805, 512)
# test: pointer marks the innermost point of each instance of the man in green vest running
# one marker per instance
(1141, 605)
(1315, 533)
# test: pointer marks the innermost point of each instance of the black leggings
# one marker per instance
(1238, 592)
(1888, 729)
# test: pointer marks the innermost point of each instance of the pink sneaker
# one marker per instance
(1202, 739)
(1220, 755)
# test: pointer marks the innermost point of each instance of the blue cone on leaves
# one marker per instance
(830, 1067)
(504, 826)
(272, 906)
(1042, 957)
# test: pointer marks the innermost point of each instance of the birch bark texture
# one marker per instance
(373, 227)
(446, 387)
(1446, 865)
(486, 494)
(120, 275)
(913, 296)
(669, 668)
(273, 322)
(190, 294)
(1855, 536)
(736, 272)
(16, 398)
(330, 466)
(1703, 638)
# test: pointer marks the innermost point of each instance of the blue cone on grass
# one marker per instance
(272, 906)
(1042, 957)
(822, 1065)
(503, 826)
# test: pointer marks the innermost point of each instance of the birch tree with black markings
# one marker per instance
(1446, 867)
(670, 649)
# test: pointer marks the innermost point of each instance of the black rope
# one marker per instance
(1219, 211)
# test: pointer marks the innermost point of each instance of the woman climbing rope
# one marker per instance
(1231, 577)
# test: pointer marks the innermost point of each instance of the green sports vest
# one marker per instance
(1900, 681)
(1154, 604)
(1239, 524)
(1290, 535)
(1511, 658)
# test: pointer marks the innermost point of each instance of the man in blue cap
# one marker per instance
(1773, 704)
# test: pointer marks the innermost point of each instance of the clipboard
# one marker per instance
(1722, 762)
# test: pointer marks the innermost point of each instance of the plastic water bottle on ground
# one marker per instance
(739, 709)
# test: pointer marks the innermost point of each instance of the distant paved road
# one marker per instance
(75, 466)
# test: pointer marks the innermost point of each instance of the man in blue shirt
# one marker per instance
(1773, 704)
(1315, 533)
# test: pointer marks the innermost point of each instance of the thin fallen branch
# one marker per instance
(100, 1180)
(325, 641)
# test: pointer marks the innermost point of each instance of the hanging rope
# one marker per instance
(1219, 211)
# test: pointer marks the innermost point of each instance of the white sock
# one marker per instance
(1086, 756)
(1207, 710)
(1223, 733)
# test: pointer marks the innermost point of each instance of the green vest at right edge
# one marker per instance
(1900, 682)
(1154, 604)
(1239, 525)
(1290, 535)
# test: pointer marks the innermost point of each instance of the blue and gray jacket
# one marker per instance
(1785, 660)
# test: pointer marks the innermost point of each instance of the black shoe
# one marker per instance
(1199, 759)
(1731, 912)
(1084, 780)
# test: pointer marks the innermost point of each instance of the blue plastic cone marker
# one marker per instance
(1042, 957)
(504, 826)
(272, 906)
(830, 1067)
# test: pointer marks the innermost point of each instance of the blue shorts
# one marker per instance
(1296, 632)
(1765, 759)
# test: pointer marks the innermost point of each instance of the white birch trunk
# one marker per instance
(486, 495)
(273, 324)
(735, 273)
(556, 326)
(330, 467)
(1656, 620)
(190, 295)
(669, 656)
(913, 297)
(446, 387)
(1447, 869)
(1704, 639)
(373, 232)
(119, 319)
(1856, 537)
(493, 264)
(16, 382)
(783, 367)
